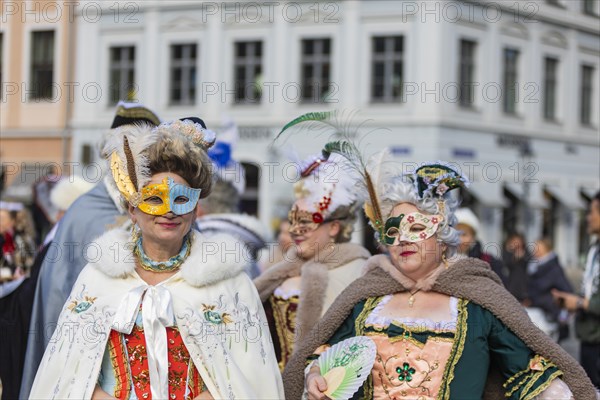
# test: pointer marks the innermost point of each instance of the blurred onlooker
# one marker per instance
(25, 247)
(220, 212)
(587, 321)
(89, 217)
(17, 244)
(44, 213)
(544, 274)
(468, 226)
(16, 304)
(516, 258)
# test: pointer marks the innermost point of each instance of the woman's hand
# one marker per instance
(570, 301)
(316, 385)
(100, 394)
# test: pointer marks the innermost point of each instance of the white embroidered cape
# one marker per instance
(214, 305)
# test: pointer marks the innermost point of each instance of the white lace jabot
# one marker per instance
(385, 321)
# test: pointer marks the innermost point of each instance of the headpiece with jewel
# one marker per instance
(367, 176)
(194, 128)
(436, 179)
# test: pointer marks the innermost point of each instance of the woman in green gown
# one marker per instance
(443, 324)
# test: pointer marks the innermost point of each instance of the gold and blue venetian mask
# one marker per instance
(413, 227)
(160, 198)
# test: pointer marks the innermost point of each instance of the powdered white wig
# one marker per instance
(67, 190)
(402, 190)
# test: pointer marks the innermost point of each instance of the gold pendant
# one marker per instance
(411, 301)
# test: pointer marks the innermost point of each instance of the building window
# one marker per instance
(42, 64)
(248, 72)
(122, 74)
(589, 7)
(509, 89)
(316, 69)
(556, 3)
(587, 75)
(249, 199)
(550, 68)
(466, 74)
(388, 71)
(183, 74)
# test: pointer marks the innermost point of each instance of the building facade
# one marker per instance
(509, 91)
(36, 43)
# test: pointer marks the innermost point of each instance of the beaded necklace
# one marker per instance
(171, 264)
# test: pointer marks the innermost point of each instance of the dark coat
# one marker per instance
(548, 276)
(517, 274)
(15, 312)
(497, 265)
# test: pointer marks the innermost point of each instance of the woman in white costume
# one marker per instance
(164, 313)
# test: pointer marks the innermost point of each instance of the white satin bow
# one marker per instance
(157, 315)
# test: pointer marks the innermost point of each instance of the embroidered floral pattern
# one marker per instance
(215, 317)
(79, 306)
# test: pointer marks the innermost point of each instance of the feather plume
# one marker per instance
(133, 162)
(130, 162)
(311, 116)
(368, 176)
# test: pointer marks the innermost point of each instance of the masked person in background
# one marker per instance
(298, 290)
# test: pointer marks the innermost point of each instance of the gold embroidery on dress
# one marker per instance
(284, 314)
(458, 347)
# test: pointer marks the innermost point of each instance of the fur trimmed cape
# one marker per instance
(322, 281)
(470, 279)
(214, 305)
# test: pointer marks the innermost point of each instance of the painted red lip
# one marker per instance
(298, 241)
(407, 253)
(168, 224)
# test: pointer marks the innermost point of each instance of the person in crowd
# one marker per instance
(18, 239)
(44, 213)
(220, 212)
(7, 243)
(443, 324)
(516, 257)
(89, 217)
(15, 306)
(298, 290)
(468, 226)
(587, 305)
(545, 273)
(175, 316)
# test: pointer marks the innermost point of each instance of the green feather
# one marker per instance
(311, 116)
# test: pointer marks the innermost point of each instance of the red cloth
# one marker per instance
(8, 247)
(130, 361)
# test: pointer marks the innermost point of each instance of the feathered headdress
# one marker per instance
(366, 177)
(128, 163)
(433, 179)
(192, 127)
(325, 185)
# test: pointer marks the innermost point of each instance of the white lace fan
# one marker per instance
(346, 365)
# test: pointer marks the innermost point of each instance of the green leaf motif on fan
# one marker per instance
(348, 355)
